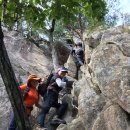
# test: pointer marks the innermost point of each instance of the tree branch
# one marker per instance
(81, 25)
(53, 25)
(4, 3)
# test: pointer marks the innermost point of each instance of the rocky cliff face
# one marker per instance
(103, 92)
(25, 58)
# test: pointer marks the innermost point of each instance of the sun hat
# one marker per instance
(33, 77)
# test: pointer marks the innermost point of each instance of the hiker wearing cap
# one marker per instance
(51, 99)
(30, 97)
(78, 53)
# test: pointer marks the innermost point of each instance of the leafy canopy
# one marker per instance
(37, 12)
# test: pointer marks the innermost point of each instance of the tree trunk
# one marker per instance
(4, 6)
(11, 85)
(55, 58)
(52, 44)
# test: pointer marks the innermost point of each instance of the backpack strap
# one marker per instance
(53, 81)
(49, 78)
(25, 93)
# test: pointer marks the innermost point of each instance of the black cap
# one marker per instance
(63, 69)
(79, 44)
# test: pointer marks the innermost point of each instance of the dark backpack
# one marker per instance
(42, 88)
(80, 52)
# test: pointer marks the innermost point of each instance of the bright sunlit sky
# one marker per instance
(125, 5)
(125, 8)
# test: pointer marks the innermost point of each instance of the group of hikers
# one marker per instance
(49, 88)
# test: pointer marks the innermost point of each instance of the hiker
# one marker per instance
(51, 99)
(30, 97)
(78, 53)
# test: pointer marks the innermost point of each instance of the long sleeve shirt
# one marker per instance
(60, 83)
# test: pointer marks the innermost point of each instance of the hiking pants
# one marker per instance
(13, 125)
(51, 100)
(80, 61)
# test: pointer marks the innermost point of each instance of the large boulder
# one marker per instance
(103, 93)
(110, 65)
(76, 124)
(71, 65)
(112, 118)
(62, 52)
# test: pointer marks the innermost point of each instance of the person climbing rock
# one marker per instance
(78, 53)
(51, 99)
(30, 97)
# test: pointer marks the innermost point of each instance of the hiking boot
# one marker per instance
(55, 118)
(57, 121)
(39, 127)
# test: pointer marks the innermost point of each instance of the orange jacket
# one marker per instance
(31, 98)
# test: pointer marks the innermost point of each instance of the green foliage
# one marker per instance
(1, 11)
(37, 12)
(35, 16)
(59, 30)
(1, 17)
